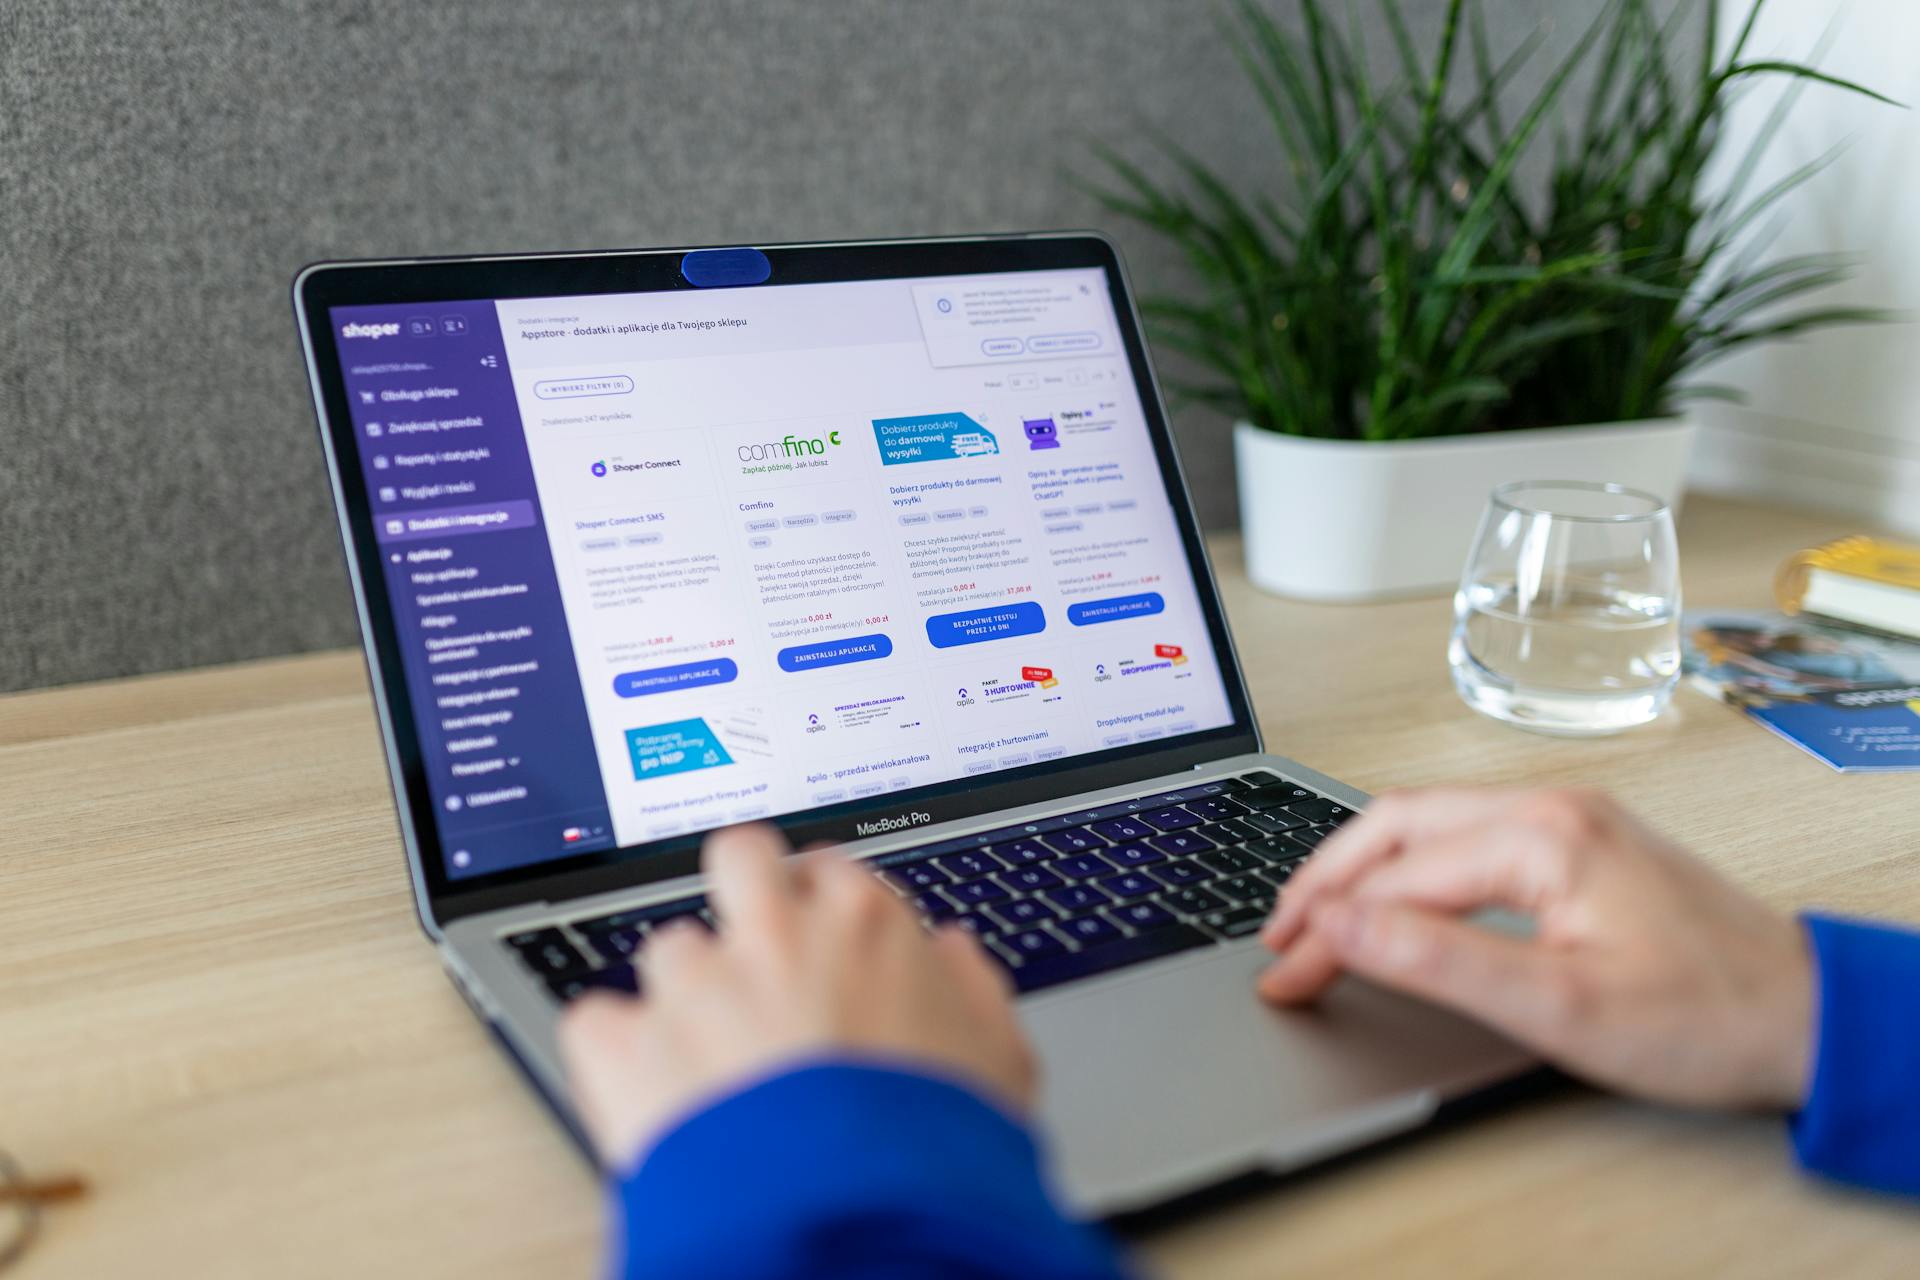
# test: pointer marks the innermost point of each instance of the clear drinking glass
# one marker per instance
(1567, 620)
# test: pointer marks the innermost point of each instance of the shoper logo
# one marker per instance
(788, 447)
(598, 468)
(881, 826)
(358, 330)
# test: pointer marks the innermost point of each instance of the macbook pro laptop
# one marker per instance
(886, 543)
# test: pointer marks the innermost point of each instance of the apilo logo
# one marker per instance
(356, 329)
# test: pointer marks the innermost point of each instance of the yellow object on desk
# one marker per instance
(1860, 581)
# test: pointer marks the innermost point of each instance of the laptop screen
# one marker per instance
(663, 561)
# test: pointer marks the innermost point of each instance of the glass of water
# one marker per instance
(1567, 620)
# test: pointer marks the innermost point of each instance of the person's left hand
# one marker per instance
(814, 957)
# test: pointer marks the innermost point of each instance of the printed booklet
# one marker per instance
(1845, 697)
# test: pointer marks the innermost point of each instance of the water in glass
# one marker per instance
(1567, 618)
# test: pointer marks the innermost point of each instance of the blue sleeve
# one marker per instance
(1861, 1119)
(849, 1171)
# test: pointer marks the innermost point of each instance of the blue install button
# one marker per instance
(950, 630)
(1092, 611)
(833, 653)
(685, 675)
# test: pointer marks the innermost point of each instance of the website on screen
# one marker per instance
(664, 561)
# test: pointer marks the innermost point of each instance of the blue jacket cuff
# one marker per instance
(1861, 1119)
(849, 1170)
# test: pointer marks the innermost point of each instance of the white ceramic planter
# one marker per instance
(1356, 520)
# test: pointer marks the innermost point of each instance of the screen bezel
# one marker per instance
(323, 286)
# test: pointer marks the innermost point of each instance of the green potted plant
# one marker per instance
(1398, 324)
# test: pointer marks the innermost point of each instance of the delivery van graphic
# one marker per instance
(972, 444)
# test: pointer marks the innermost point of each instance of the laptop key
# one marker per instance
(1274, 797)
(570, 987)
(1130, 885)
(1236, 922)
(917, 876)
(1132, 856)
(1317, 810)
(1276, 849)
(970, 865)
(1083, 866)
(1312, 836)
(1075, 899)
(1215, 808)
(1179, 874)
(1019, 853)
(619, 920)
(547, 951)
(616, 944)
(1191, 902)
(1261, 778)
(1029, 945)
(1179, 844)
(977, 893)
(935, 908)
(620, 978)
(1090, 931)
(1029, 879)
(1250, 890)
(1022, 913)
(1171, 819)
(1229, 862)
(1277, 876)
(1141, 917)
(1274, 823)
(1051, 971)
(1230, 831)
(1072, 840)
(1121, 830)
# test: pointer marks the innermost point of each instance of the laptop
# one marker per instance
(885, 543)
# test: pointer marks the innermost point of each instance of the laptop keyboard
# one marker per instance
(1055, 900)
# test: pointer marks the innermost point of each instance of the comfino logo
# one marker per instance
(881, 826)
(788, 447)
(356, 329)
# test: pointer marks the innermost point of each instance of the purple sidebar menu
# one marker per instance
(495, 695)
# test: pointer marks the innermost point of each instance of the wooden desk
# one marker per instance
(215, 1002)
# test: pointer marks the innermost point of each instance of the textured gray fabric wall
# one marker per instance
(165, 167)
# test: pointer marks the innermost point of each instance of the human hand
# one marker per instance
(1646, 972)
(814, 956)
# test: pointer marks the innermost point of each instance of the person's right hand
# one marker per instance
(816, 959)
(1646, 971)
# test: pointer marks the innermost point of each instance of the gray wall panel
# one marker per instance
(165, 167)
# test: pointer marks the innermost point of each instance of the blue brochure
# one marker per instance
(1848, 698)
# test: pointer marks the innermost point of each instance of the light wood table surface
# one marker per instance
(215, 1001)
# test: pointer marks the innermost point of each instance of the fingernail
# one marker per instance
(1268, 985)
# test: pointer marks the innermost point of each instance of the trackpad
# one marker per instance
(1165, 1081)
